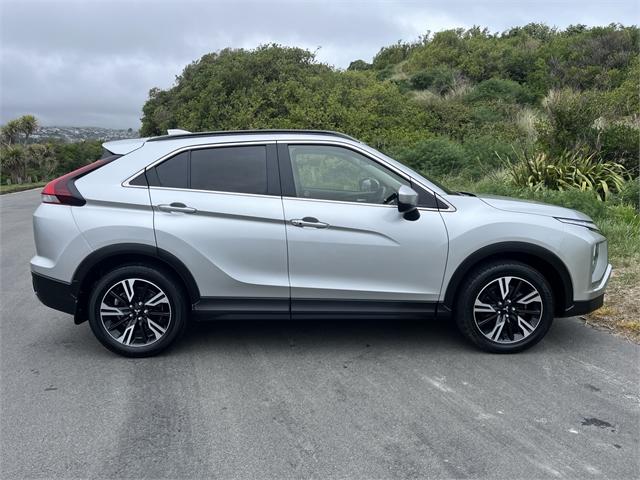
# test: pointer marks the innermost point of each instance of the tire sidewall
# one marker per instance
(160, 278)
(481, 279)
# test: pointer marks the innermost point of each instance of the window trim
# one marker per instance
(284, 160)
(189, 148)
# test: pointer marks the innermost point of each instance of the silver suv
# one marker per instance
(300, 224)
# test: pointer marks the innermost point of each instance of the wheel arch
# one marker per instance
(112, 256)
(537, 257)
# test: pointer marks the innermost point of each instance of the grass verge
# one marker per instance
(19, 187)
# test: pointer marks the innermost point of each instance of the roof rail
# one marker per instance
(248, 132)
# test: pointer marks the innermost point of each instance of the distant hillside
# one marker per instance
(78, 134)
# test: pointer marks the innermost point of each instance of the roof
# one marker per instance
(249, 132)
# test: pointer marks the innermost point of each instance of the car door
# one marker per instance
(219, 210)
(348, 250)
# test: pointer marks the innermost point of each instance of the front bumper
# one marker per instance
(595, 297)
(54, 293)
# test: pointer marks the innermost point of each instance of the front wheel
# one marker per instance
(505, 307)
(137, 311)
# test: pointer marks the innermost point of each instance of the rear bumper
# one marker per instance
(54, 293)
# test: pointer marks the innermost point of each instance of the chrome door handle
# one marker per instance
(176, 207)
(308, 222)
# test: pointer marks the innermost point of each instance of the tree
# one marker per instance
(28, 124)
(10, 132)
(43, 157)
(14, 161)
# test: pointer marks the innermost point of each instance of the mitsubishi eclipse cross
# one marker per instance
(298, 224)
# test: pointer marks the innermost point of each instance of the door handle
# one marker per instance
(308, 222)
(176, 207)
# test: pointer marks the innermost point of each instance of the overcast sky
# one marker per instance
(92, 62)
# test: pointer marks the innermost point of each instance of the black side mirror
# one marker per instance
(408, 203)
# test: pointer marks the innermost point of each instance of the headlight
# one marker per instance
(581, 223)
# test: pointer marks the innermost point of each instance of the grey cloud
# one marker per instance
(93, 62)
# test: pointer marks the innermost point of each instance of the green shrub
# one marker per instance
(436, 157)
(500, 89)
(620, 143)
(629, 193)
(440, 79)
(570, 170)
(484, 152)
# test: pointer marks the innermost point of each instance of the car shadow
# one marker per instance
(438, 335)
(316, 333)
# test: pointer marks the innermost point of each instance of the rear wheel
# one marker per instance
(505, 307)
(137, 310)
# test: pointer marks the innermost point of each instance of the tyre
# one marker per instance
(504, 307)
(137, 310)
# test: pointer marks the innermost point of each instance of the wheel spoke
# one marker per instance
(157, 299)
(157, 330)
(127, 335)
(530, 298)
(503, 283)
(107, 310)
(487, 320)
(525, 326)
(497, 329)
(481, 307)
(127, 285)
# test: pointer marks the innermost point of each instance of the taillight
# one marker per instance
(62, 190)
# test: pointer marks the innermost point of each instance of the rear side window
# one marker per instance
(173, 173)
(230, 169)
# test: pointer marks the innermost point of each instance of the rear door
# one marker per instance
(219, 210)
(349, 250)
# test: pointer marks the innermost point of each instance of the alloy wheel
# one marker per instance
(508, 310)
(135, 312)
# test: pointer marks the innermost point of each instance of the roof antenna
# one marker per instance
(176, 131)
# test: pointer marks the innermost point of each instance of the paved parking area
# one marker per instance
(304, 400)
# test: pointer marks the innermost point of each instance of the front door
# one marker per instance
(349, 249)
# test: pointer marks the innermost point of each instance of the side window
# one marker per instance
(173, 172)
(328, 172)
(230, 169)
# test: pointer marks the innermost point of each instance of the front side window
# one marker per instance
(329, 172)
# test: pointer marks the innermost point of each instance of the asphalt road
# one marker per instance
(305, 400)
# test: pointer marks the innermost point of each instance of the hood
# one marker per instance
(532, 207)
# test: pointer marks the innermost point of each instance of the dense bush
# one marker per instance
(501, 90)
(619, 142)
(439, 79)
(435, 157)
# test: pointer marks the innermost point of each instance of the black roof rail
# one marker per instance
(249, 132)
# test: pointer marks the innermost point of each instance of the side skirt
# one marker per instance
(212, 308)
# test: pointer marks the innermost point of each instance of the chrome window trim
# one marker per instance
(218, 192)
(293, 141)
(321, 200)
(125, 183)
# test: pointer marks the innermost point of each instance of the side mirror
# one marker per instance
(408, 203)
